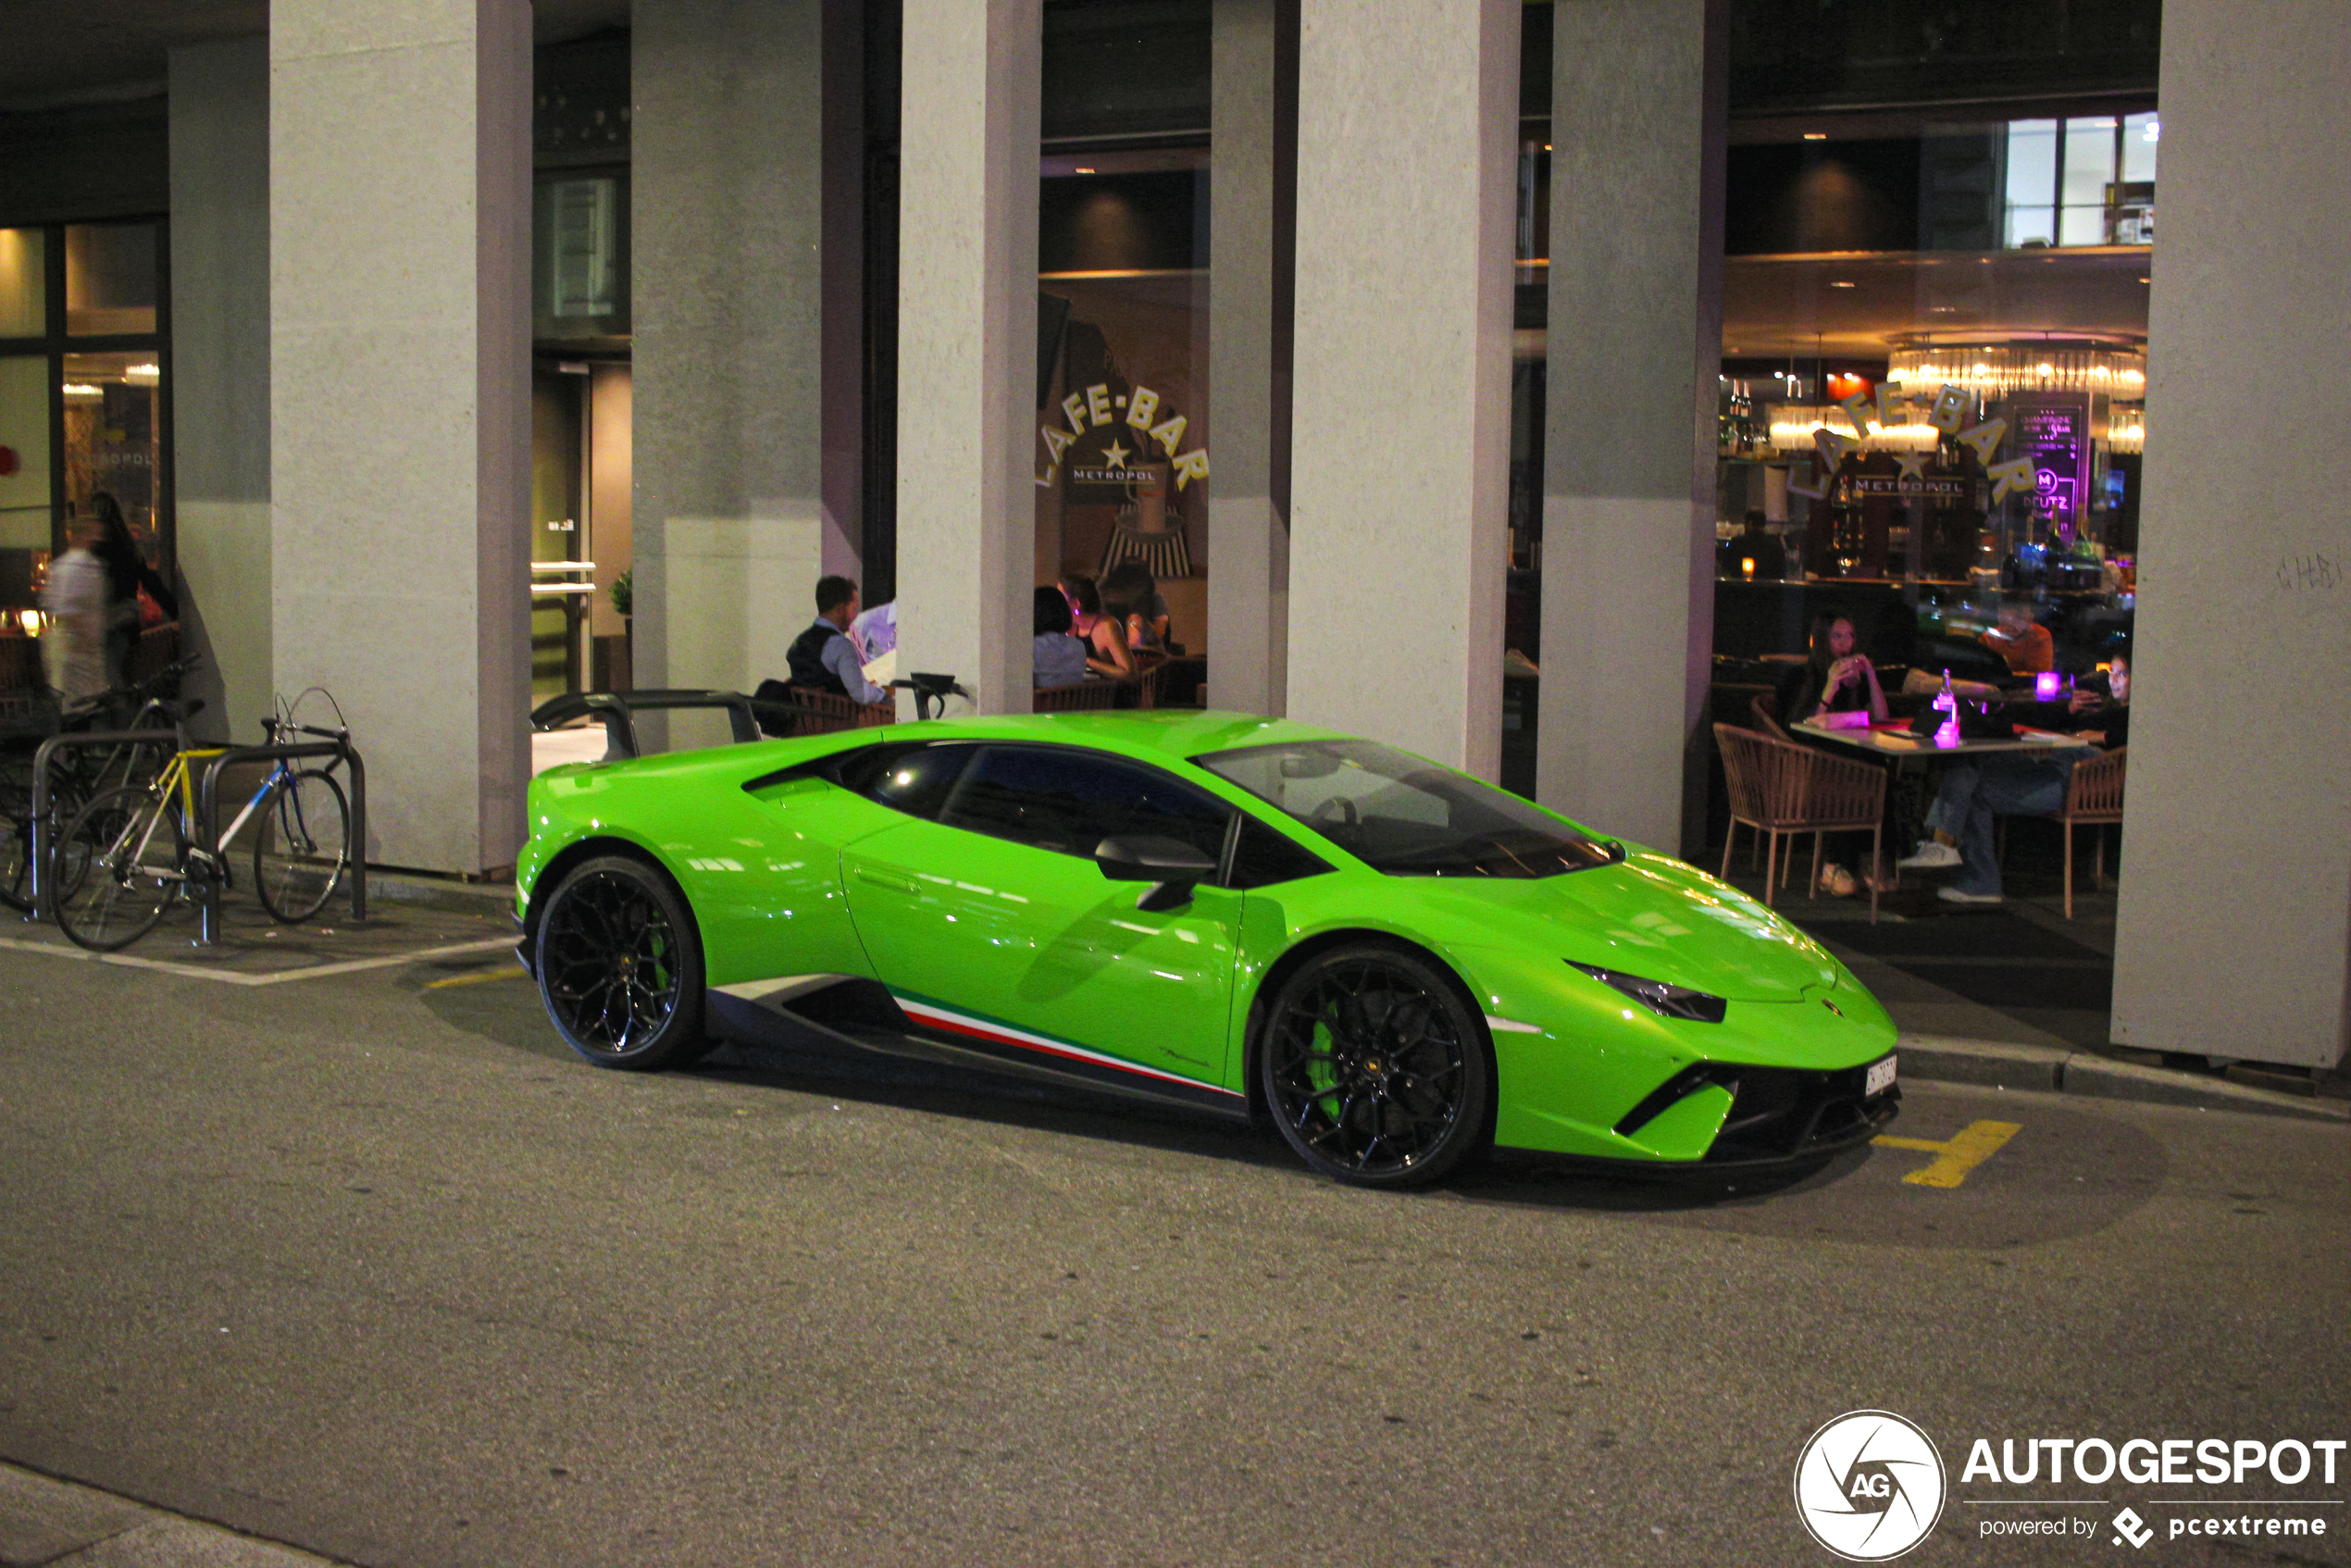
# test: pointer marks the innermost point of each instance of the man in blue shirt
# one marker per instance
(823, 658)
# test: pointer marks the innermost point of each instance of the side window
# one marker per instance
(1069, 800)
(914, 779)
(1263, 857)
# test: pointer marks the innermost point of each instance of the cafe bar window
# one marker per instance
(84, 406)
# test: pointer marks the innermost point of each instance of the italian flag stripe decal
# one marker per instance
(931, 1015)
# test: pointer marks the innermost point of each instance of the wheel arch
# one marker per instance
(1277, 975)
(579, 851)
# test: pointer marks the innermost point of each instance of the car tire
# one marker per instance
(1374, 1067)
(619, 966)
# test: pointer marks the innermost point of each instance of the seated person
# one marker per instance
(1055, 657)
(822, 657)
(1104, 639)
(2021, 641)
(1768, 553)
(2009, 784)
(1837, 678)
(1130, 593)
(876, 632)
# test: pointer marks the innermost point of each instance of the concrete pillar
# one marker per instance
(1252, 254)
(1407, 118)
(968, 343)
(400, 415)
(1638, 125)
(219, 119)
(843, 297)
(727, 229)
(2234, 935)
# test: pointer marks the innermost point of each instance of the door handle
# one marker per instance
(885, 880)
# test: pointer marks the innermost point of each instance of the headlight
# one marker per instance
(1670, 1001)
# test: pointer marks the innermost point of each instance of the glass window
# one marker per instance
(1068, 802)
(110, 278)
(1409, 817)
(2031, 182)
(24, 466)
(1263, 857)
(579, 277)
(2140, 133)
(24, 291)
(113, 443)
(2089, 170)
(914, 779)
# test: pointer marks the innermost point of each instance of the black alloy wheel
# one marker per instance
(620, 966)
(1376, 1071)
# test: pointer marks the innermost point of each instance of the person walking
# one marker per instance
(76, 601)
(127, 575)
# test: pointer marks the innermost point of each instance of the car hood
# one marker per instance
(1653, 917)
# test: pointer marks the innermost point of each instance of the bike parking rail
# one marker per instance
(208, 816)
(39, 846)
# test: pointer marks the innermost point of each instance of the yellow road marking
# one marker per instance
(1965, 1149)
(512, 972)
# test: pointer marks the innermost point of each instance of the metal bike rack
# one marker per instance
(209, 820)
(174, 739)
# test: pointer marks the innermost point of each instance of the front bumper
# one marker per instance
(1777, 1114)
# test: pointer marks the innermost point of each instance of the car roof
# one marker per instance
(1178, 732)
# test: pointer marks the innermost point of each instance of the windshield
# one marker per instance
(1409, 817)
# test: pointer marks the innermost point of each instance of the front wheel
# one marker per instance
(620, 966)
(302, 847)
(119, 867)
(1374, 1069)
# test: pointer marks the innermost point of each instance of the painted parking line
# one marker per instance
(234, 978)
(511, 972)
(1959, 1154)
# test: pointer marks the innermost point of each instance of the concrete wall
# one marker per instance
(1635, 344)
(727, 229)
(968, 343)
(1407, 119)
(220, 101)
(2234, 921)
(399, 309)
(1253, 256)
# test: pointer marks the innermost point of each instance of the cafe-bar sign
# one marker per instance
(1134, 416)
(1947, 413)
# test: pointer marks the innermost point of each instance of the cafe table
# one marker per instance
(1894, 741)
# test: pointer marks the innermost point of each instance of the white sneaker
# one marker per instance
(1949, 894)
(1932, 854)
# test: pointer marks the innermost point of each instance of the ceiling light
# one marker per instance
(1082, 169)
(1840, 283)
(2147, 279)
(1816, 136)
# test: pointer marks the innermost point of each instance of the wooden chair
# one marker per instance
(1149, 670)
(1083, 695)
(1778, 787)
(1765, 707)
(833, 713)
(2093, 799)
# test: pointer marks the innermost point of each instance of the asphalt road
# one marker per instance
(376, 1269)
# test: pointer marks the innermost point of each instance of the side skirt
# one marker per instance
(798, 1011)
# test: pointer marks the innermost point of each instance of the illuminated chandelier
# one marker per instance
(1996, 369)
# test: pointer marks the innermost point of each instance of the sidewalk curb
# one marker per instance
(1998, 1064)
(65, 1525)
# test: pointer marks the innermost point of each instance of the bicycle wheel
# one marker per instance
(302, 845)
(16, 831)
(128, 859)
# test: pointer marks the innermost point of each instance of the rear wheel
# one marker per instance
(620, 966)
(119, 867)
(302, 847)
(1373, 1067)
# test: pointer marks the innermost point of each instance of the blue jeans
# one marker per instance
(1972, 794)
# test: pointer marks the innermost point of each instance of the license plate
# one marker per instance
(1880, 1078)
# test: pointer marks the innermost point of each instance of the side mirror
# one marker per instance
(1172, 866)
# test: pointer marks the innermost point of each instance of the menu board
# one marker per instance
(2053, 430)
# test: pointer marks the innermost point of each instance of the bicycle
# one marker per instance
(77, 776)
(127, 857)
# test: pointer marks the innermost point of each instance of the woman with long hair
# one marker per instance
(1105, 639)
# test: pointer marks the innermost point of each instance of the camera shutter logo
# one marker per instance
(1869, 1485)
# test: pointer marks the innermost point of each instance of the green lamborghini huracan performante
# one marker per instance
(1394, 962)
